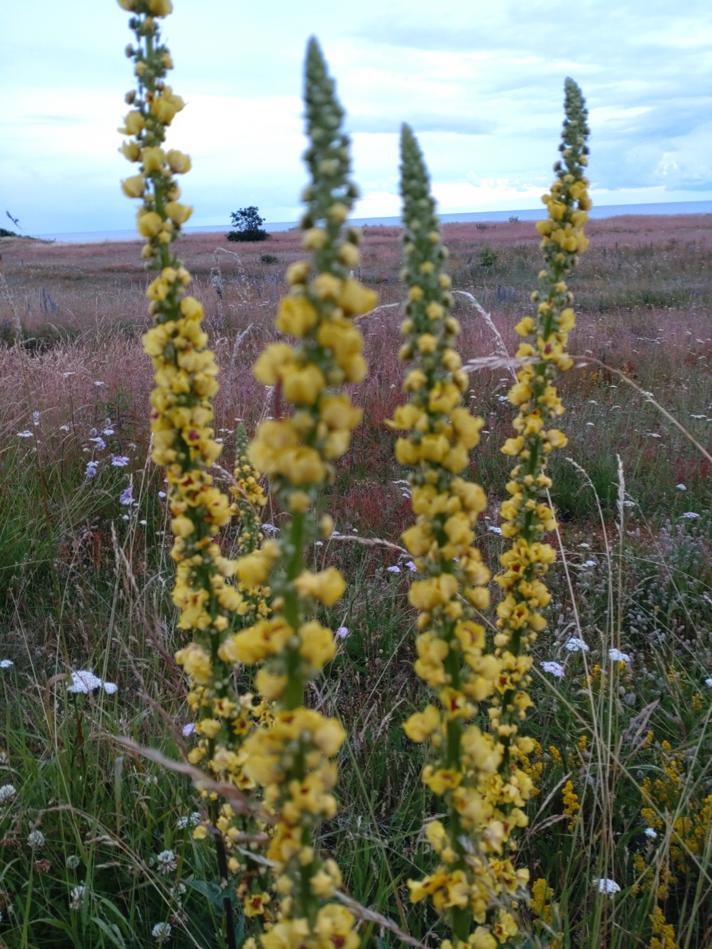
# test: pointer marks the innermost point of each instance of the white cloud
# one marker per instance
(482, 90)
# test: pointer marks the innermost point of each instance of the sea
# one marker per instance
(599, 212)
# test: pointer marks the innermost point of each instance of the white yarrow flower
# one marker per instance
(84, 681)
(574, 644)
(7, 793)
(161, 932)
(554, 668)
(6, 663)
(615, 655)
(167, 863)
(77, 896)
(609, 887)
(650, 833)
(708, 682)
(36, 839)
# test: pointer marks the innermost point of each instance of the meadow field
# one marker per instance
(96, 844)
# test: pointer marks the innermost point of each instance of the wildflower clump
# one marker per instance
(210, 601)
(472, 881)
(292, 759)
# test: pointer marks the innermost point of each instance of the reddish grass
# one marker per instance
(98, 290)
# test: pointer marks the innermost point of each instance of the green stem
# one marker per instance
(294, 692)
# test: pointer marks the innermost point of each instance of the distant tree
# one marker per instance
(247, 224)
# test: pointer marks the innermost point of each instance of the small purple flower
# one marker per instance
(119, 461)
(342, 632)
(411, 566)
(393, 569)
(188, 729)
(91, 470)
(98, 442)
(126, 496)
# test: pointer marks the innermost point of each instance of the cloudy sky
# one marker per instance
(479, 80)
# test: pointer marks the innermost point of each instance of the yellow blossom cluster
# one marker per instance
(474, 882)
(689, 828)
(210, 600)
(571, 802)
(527, 515)
(662, 932)
(293, 758)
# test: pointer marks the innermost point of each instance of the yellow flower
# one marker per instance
(134, 187)
(302, 386)
(160, 7)
(421, 725)
(149, 224)
(178, 162)
(152, 159)
(327, 586)
(295, 314)
(317, 644)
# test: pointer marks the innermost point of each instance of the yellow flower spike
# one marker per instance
(212, 603)
(526, 515)
(291, 759)
(455, 658)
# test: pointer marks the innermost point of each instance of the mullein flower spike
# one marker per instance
(292, 759)
(211, 602)
(473, 882)
(526, 515)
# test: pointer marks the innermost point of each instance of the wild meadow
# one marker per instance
(369, 679)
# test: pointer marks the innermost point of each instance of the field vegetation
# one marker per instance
(86, 580)
(104, 839)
